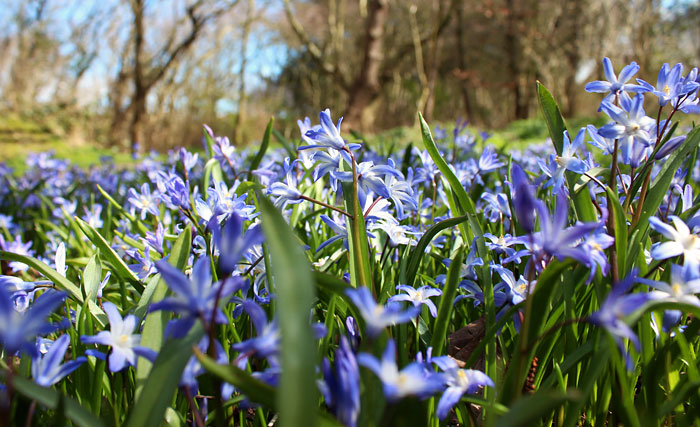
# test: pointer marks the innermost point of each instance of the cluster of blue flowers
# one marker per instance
(522, 203)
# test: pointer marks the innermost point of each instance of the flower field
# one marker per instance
(334, 281)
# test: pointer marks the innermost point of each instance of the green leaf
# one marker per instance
(120, 267)
(536, 310)
(211, 169)
(92, 276)
(446, 301)
(585, 211)
(116, 204)
(552, 116)
(358, 245)
(58, 280)
(287, 144)
(263, 148)
(294, 287)
(533, 408)
(620, 232)
(465, 202)
(162, 382)
(154, 326)
(256, 390)
(419, 250)
(52, 399)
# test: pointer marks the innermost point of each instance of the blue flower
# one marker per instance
(459, 381)
(489, 160)
(683, 286)
(377, 317)
(616, 307)
(341, 389)
(670, 86)
(18, 331)
(144, 266)
(325, 135)
(616, 85)
(194, 297)
(566, 161)
(418, 296)
(47, 370)
(145, 201)
(632, 126)
(121, 338)
(682, 241)
(233, 243)
(413, 380)
(267, 343)
(524, 200)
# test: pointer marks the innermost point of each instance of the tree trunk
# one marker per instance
(462, 65)
(138, 101)
(238, 135)
(365, 89)
(513, 52)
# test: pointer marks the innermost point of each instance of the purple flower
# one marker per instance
(524, 200)
(413, 380)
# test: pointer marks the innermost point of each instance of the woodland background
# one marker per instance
(114, 73)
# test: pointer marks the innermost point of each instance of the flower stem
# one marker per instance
(326, 205)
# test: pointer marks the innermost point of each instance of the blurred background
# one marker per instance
(146, 74)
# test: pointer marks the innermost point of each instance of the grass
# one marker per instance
(20, 137)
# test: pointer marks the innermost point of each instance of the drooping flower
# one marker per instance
(341, 388)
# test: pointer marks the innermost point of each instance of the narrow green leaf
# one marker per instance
(287, 144)
(92, 276)
(162, 381)
(154, 326)
(294, 287)
(51, 399)
(263, 148)
(620, 233)
(256, 390)
(358, 245)
(419, 250)
(462, 197)
(109, 254)
(116, 204)
(212, 169)
(446, 301)
(533, 408)
(58, 280)
(585, 211)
